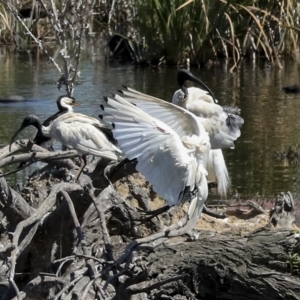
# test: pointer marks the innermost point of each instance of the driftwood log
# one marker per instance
(90, 240)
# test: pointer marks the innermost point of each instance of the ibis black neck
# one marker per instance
(61, 105)
(31, 120)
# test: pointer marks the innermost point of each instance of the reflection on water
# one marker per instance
(271, 117)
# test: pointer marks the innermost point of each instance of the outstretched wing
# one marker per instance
(179, 119)
(161, 156)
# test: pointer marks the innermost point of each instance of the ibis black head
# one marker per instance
(30, 120)
(186, 75)
(65, 102)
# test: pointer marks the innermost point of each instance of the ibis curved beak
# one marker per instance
(184, 75)
(14, 136)
(197, 80)
(76, 103)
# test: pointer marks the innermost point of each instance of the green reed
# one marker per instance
(201, 29)
(170, 31)
(5, 25)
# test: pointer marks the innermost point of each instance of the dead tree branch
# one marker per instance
(13, 205)
(69, 23)
(41, 212)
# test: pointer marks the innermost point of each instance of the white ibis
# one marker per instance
(225, 120)
(85, 134)
(169, 113)
(64, 104)
(222, 122)
(204, 104)
(170, 157)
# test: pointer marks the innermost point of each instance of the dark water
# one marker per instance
(271, 117)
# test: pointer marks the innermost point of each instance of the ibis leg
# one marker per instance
(210, 212)
(149, 215)
(83, 164)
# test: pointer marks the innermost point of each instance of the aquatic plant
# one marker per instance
(68, 23)
(177, 31)
(5, 25)
(202, 29)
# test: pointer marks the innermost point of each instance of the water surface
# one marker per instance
(271, 117)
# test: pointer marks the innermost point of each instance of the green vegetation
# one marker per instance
(293, 260)
(5, 25)
(294, 263)
(200, 29)
(174, 30)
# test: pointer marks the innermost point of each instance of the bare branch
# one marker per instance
(39, 214)
(36, 282)
(105, 194)
(15, 13)
(14, 205)
(35, 157)
(23, 145)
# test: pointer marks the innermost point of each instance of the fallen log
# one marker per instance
(90, 244)
(219, 266)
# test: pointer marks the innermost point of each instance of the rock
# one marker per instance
(291, 89)
(12, 98)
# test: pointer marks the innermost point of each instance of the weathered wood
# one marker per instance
(47, 252)
(219, 266)
(14, 207)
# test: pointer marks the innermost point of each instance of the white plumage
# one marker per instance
(171, 158)
(182, 122)
(77, 131)
(222, 123)
(222, 126)
(64, 104)
(217, 171)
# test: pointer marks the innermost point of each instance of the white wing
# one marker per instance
(179, 119)
(183, 121)
(83, 134)
(161, 156)
(70, 117)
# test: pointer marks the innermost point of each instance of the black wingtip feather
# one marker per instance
(100, 117)
(105, 99)
(121, 92)
(113, 125)
(102, 106)
(187, 195)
